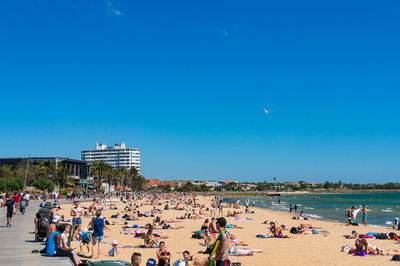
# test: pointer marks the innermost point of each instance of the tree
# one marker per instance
(98, 169)
(43, 184)
(62, 176)
(132, 174)
(10, 184)
(6, 171)
(139, 183)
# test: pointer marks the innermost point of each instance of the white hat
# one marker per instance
(396, 218)
(115, 242)
(55, 218)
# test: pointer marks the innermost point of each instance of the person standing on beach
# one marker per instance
(221, 246)
(98, 224)
(295, 207)
(364, 219)
(290, 207)
(76, 213)
(349, 215)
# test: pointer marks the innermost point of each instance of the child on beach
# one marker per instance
(86, 238)
(114, 250)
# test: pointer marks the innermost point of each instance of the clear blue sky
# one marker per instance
(186, 81)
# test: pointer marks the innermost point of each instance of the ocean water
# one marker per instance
(382, 207)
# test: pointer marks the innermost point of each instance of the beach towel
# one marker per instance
(264, 236)
(360, 254)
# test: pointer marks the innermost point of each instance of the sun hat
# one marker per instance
(396, 218)
(115, 242)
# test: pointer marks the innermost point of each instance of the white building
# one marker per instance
(117, 156)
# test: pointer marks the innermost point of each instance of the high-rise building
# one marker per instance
(117, 156)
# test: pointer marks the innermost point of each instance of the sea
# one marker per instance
(382, 207)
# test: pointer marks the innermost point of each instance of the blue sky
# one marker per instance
(186, 82)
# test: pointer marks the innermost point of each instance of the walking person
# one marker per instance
(10, 209)
(22, 204)
(98, 224)
(16, 198)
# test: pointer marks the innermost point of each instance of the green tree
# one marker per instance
(10, 184)
(6, 171)
(43, 184)
(98, 169)
(62, 176)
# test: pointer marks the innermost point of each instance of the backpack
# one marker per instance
(294, 230)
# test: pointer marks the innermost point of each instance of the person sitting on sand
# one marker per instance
(277, 230)
(114, 250)
(204, 226)
(212, 228)
(363, 246)
(149, 240)
(191, 260)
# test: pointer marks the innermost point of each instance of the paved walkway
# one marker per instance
(17, 242)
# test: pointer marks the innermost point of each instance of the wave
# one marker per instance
(387, 210)
(313, 216)
(389, 222)
(309, 208)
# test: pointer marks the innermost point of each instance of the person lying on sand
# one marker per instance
(363, 246)
(242, 251)
(354, 235)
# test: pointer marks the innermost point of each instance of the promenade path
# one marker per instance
(17, 242)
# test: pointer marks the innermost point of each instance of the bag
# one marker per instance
(382, 236)
(294, 230)
(396, 258)
(346, 248)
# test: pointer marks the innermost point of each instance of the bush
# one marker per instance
(10, 184)
(43, 184)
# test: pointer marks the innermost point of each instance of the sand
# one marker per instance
(296, 250)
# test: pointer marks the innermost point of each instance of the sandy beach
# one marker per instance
(295, 250)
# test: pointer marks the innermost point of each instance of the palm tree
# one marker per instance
(133, 175)
(98, 169)
(139, 183)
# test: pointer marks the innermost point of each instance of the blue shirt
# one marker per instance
(112, 251)
(98, 224)
(51, 244)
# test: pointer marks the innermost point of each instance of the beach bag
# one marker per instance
(396, 258)
(381, 236)
(180, 262)
(346, 248)
(294, 230)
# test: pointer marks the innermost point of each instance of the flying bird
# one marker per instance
(266, 111)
